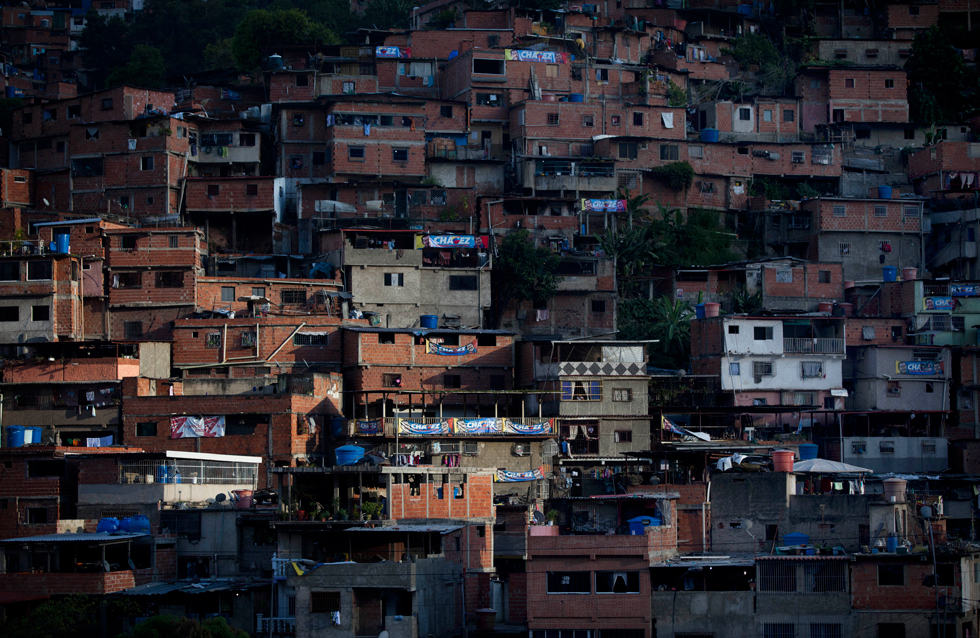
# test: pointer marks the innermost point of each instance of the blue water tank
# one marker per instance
(808, 451)
(161, 474)
(884, 192)
(709, 135)
(53, 247)
(140, 525)
(576, 97)
(796, 538)
(429, 321)
(337, 426)
(639, 525)
(891, 543)
(15, 436)
(109, 525)
(64, 243)
(889, 273)
(125, 524)
(37, 434)
(699, 311)
(349, 454)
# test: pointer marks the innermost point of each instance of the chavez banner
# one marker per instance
(195, 427)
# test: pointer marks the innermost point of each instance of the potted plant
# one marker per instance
(552, 516)
(341, 514)
(372, 510)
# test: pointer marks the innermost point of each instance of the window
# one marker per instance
(913, 10)
(324, 602)
(348, 88)
(133, 329)
(615, 120)
(669, 152)
(489, 99)
(744, 114)
(825, 630)
(881, 211)
(27, 118)
(778, 630)
(452, 381)
(437, 198)
(299, 119)
(296, 162)
(394, 279)
(844, 248)
(60, 147)
(462, 282)
(39, 270)
(551, 70)
(49, 115)
(811, 369)
(823, 276)
(37, 515)
(734, 368)
(762, 368)
(172, 241)
(911, 211)
(762, 333)
(355, 153)
(627, 150)
(798, 157)
(391, 380)
(40, 313)
(311, 339)
(889, 83)
(588, 121)
(624, 395)
(637, 119)
(171, 280)
(293, 296)
(767, 115)
(569, 582)
(399, 154)
(928, 447)
(602, 75)
(695, 151)
(129, 280)
(146, 163)
(617, 582)
(147, 428)
(789, 115)
(839, 210)
(488, 67)
(598, 305)
(227, 293)
(803, 398)
(733, 330)
(623, 436)
(10, 271)
(849, 83)
(107, 104)
(552, 119)
(891, 575)
(302, 80)
(886, 447)
(891, 629)
(252, 190)
(86, 167)
(580, 390)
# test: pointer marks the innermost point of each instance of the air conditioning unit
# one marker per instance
(520, 449)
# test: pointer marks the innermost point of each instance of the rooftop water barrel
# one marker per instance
(63, 242)
(15, 436)
(848, 309)
(161, 474)
(889, 273)
(109, 525)
(909, 273)
(782, 460)
(884, 192)
(125, 524)
(37, 433)
(796, 538)
(576, 97)
(891, 543)
(808, 451)
(699, 311)
(337, 426)
(140, 525)
(712, 309)
(53, 247)
(244, 501)
(825, 306)
(709, 135)
(429, 321)
(349, 454)
(639, 525)
(894, 490)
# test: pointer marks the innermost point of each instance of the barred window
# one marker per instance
(811, 369)
(581, 390)
(324, 602)
(779, 630)
(248, 339)
(762, 368)
(311, 339)
(293, 296)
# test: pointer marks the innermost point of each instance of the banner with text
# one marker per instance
(938, 303)
(449, 351)
(604, 205)
(919, 367)
(551, 57)
(444, 427)
(194, 427)
(503, 476)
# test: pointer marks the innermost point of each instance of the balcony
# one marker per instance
(84, 371)
(275, 626)
(447, 149)
(813, 346)
(557, 174)
(455, 427)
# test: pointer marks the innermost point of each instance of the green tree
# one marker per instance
(526, 272)
(144, 69)
(262, 28)
(663, 318)
(942, 87)
(103, 44)
(176, 627)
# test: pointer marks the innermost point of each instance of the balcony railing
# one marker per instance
(581, 169)
(188, 471)
(935, 290)
(451, 427)
(276, 626)
(813, 346)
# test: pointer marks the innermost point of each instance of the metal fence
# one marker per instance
(188, 471)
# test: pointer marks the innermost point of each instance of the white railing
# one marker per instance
(813, 346)
(277, 626)
(188, 471)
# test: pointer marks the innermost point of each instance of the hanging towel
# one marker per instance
(132, 145)
(92, 442)
(335, 617)
(668, 119)
(194, 150)
(367, 130)
(542, 315)
(330, 120)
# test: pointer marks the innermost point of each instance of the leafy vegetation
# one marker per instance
(173, 627)
(70, 617)
(676, 96)
(668, 320)
(677, 175)
(262, 28)
(941, 87)
(145, 69)
(526, 272)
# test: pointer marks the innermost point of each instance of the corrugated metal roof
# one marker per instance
(814, 557)
(435, 529)
(620, 497)
(424, 331)
(187, 587)
(90, 537)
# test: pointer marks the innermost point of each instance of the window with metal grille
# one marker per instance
(311, 339)
(811, 369)
(839, 210)
(891, 575)
(881, 211)
(170, 279)
(669, 152)
(928, 447)
(762, 333)
(324, 602)
(803, 398)
(183, 524)
(437, 198)
(212, 340)
(569, 582)
(227, 293)
(399, 154)
(844, 248)
(391, 380)
(292, 296)
(598, 305)
(886, 447)
(419, 198)
(248, 339)
(762, 368)
(623, 436)
(553, 119)
(778, 630)
(911, 211)
(588, 121)
(133, 329)
(627, 150)
(798, 157)
(623, 395)
(581, 390)
(825, 630)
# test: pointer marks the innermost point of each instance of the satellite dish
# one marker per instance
(220, 498)
(383, 634)
(46, 202)
(747, 524)
(538, 516)
(926, 512)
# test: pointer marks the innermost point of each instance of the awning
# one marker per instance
(93, 537)
(434, 529)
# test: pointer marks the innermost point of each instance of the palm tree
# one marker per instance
(672, 326)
